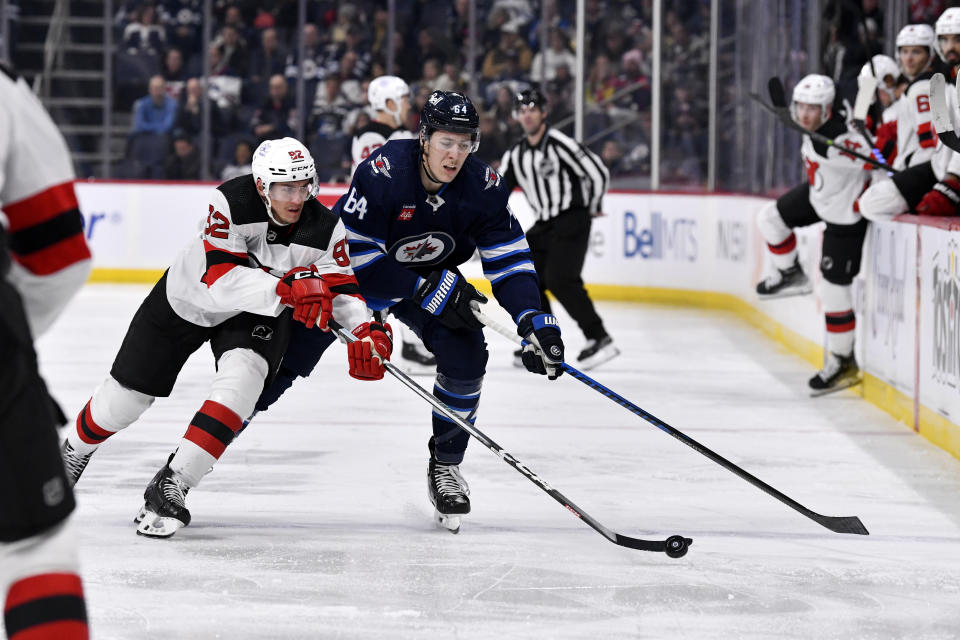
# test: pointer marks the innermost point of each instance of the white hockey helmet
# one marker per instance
(385, 88)
(283, 160)
(916, 35)
(947, 24)
(814, 89)
(884, 66)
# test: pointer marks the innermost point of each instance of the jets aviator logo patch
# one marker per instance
(426, 247)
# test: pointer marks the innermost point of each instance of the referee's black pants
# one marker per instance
(559, 247)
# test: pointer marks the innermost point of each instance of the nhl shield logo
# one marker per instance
(262, 331)
(426, 247)
(547, 167)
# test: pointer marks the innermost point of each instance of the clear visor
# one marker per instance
(444, 141)
(287, 191)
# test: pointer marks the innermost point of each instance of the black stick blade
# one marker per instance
(843, 524)
(777, 95)
(674, 546)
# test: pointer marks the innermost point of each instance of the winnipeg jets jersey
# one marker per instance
(397, 232)
(38, 206)
(234, 263)
(372, 137)
(836, 179)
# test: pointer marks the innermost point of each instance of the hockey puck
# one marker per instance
(677, 546)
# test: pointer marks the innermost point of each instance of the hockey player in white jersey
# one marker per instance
(834, 181)
(924, 184)
(389, 97)
(44, 260)
(267, 245)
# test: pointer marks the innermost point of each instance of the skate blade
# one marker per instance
(449, 522)
(852, 382)
(789, 293)
(156, 526)
(597, 359)
(141, 514)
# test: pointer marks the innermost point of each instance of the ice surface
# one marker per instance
(316, 524)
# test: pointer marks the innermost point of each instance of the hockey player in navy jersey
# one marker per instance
(416, 210)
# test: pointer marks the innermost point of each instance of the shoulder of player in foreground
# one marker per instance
(394, 159)
(482, 185)
(316, 225)
(246, 205)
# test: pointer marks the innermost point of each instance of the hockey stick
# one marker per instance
(866, 93)
(780, 110)
(942, 121)
(674, 546)
(839, 524)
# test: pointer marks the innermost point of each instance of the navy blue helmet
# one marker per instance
(450, 111)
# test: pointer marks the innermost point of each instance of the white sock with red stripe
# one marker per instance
(235, 388)
(840, 319)
(207, 437)
(112, 408)
(780, 239)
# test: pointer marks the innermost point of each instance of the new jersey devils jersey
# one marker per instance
(398, 232)
(51, 259)
(372, 137)
(916, 139)
(836, 179)
(234, 262)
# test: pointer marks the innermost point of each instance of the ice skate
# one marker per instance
(518, 358)
(163, 512)
(596, 352)
(74, 462)
(839, 372)
(448, 493)
(785, 282)
(416, 360)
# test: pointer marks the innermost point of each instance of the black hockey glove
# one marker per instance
(543, 349)
(447, 295)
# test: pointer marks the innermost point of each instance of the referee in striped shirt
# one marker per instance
(564, 183)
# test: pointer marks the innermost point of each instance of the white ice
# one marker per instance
(316, 524)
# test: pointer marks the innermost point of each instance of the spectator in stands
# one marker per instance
(184, 164)
(313, 55)
(431, 44)
(173, 72)
(331, 108)
(350, 85)
(143, 34)
(233, 17)
(545, 63)
(510, 57)
(615, 42)
(233, 50)
(451, 79)
(269, 59)
(190, 113)
(428, 78)
(502, 112)
(602, 81)
(182, 19)
(242, 158)
(633, 76)
(156, 112)
(493, 140)
(276, 118)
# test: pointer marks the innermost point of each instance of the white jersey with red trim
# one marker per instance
(372, 137)
(917, 141)
(51, 259)
(836, 179)
(234, 263)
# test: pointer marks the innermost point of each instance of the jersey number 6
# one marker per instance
(217, 224)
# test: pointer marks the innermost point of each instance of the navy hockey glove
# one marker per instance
(543, 349)
(447, 295)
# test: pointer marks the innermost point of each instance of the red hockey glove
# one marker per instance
(305, 291)
(367, 354)
(886, 140)
(942, 200)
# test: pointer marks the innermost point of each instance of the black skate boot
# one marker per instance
(416, 360)
(518, 358)
(164, 511)
(785, 282)
(596, 352)
(448, 493)
(74, 462)
(839, 372)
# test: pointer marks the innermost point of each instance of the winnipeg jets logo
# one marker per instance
(492, 178)
(423, 248)
(435, 201)
(381, 165)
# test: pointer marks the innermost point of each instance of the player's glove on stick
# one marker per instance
(543, 350)
(305, 291)
(447, 295)
(367, 354)
(942, 200)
